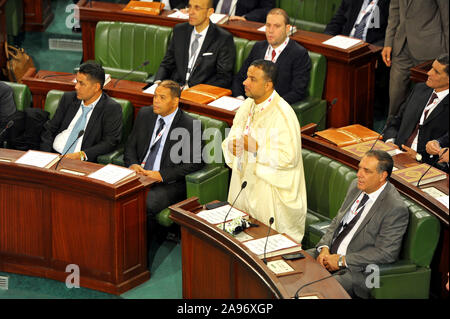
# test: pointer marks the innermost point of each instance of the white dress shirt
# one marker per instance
(278, 51)
(193, 58)
(61, 139)
(372, 7)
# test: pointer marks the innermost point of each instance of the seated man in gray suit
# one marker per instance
(368, 228)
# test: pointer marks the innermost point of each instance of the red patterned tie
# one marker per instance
(273, 55)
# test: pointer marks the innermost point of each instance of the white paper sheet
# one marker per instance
(36, 158)
(217, 215)
(342, 42)
(111, 174)
(227, 103)
(275, 242)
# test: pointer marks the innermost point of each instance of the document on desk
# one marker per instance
(179, 15)
(278, 244)
(151, 90)
(343, 42)
(38, 159)
(217, 215)
(227, 103)
(112, 174)
(437, 194)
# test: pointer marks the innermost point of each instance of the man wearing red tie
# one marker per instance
(292, 60)
(424, 115)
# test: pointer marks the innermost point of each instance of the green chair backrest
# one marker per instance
(317, 74)
(327, 182)
(54, 96)
(125, 45)
(213, 135)
(310, 15)
(22, 95)
(240, 45)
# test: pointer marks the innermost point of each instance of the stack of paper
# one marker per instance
(278, 244)
(179, 15)
(38, 159)
(343, 42)
(227, 103)
(217, 215)
(112, 174)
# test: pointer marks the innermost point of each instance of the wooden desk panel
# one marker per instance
(37, 14)
(350, 73)
(216, 265)
(50, 220)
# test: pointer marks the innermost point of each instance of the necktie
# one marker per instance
(361, 26)
(226, 5)
(194, 48)
(79, 125)
(273, 55)
(155, 147)
(416, 129)
(348, 227)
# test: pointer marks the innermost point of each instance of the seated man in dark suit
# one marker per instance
(424, 115)
(7, 105)
(362, 19)
(253, 10)
(200, 52)
(165, 144)
(87, 109)
(292, 60)
(368, 228)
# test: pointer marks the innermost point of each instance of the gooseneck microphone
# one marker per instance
(333, 102)
(271, 220)
(80, 134)
(127, 74)
(381, 134)
(434, 162)
(8, 125)
(313, 282)
(244, 184)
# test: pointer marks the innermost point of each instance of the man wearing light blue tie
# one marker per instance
(87, 110)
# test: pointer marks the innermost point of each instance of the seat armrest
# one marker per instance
(203, 174)
(398, 267)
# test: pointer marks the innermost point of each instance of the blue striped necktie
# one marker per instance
(79, 125)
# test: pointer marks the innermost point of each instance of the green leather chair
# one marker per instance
(121, 47)
(22, 95)
(243, 48)
(310, 15)
(51, 104)
(407, 278)
(312, 109)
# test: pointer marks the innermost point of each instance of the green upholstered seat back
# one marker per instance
(310, 15)
(317, 74)
(124, 45)
(22, 95)
(213, 134)
(421, 237)
(240, 44)
(327, 182)
(52, 102)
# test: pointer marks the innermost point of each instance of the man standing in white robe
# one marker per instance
(264, 149)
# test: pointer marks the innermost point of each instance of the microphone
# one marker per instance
(80, 134)
(271, 220)
(244, 184)
(127, 74)
(313, 282)
(434, 162)
(333, 102)
(8, 125)
(381, 134)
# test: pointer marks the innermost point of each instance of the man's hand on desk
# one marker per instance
(75, 156)
(237, 18)
(433, 147)
(411, 153)
(152, 174)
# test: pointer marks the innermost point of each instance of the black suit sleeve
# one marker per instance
(225, 62)
(336, 25)
(300, 75)
(111, 132)
(168, 63)
(259, 13)
(131, 155)
(443, 140)
(53, 126)
(178, 4)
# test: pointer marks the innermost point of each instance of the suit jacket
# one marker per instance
(190, 140)
(378, 238)
(403, 124)
(103, 131)
(7, 105)
(214, 64)
(423, 24)
(293, 71)
(345, 18)
(443, 140)
(253, 10)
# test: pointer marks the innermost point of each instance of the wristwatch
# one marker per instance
(419, 157)
(341, 262)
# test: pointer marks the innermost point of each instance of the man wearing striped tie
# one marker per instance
(368, 228)
(88, 110)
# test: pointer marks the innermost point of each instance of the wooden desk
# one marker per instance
(350, 73)
(37, 14)
(216, 265)
(419, 72)
(50, 219)
(440, 263)
(43, 81)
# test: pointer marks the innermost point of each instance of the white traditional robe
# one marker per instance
(275, 178)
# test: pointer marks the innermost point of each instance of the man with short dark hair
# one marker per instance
(165, 144)
(424, 115)
(200, 52)
(264, 149)
(87, 109)
(292, 60)
(368, 228)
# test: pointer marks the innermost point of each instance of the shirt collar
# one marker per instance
(168, 118)
(374, 195)
(441, 95)
(93, 104)
(203, 33)
(261, 106)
